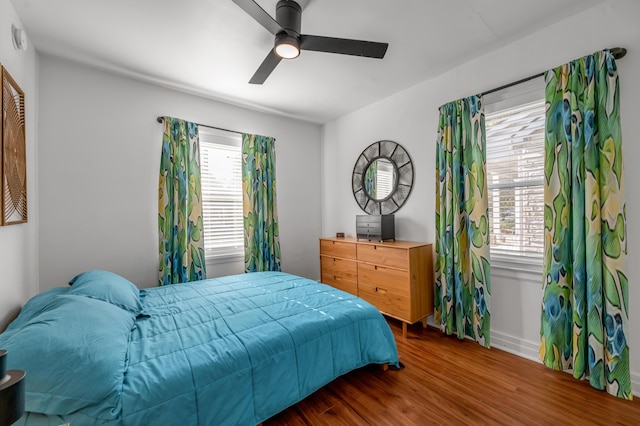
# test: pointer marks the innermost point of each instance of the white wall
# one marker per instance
(99, 163)
(410, 118)
(18, 243)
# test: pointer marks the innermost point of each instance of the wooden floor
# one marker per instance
(451, 382)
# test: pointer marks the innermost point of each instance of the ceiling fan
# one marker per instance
(289, 41)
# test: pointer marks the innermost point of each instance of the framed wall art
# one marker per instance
(13, 155)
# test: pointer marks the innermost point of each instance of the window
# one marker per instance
(515, 174)
(221, 174)
(384, 178)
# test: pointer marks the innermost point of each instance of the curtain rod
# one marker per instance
(617, 52)
(161, 120)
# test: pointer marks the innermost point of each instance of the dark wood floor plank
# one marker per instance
(447, 381)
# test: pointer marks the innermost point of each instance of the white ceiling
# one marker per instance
(212, 47)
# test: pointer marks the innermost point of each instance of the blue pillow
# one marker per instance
(109, 287)
(88, 334)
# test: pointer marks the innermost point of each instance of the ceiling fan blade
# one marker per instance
(267, 66)
(254, 10)
(343, 46)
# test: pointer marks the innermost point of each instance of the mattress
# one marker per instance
(234, 350)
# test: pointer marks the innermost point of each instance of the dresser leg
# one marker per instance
(404, 330)
(424, 322)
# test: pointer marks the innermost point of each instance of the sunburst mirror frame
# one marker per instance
(402, 181)
(13, 155)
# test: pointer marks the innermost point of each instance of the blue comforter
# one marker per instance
(232, 350)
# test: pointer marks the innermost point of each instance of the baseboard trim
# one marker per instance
(635, 385)
(505, 342)
(523, 348)
(530, 350)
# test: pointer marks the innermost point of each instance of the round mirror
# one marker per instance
(382, 178)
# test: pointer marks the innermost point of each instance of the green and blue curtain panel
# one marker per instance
(371, 180)
(462, 271)
(261, 237)
(180, 227)
(585, 299)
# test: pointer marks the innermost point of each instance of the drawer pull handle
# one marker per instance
(376, 267)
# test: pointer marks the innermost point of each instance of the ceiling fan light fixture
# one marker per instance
(287, 47)
(289, 40)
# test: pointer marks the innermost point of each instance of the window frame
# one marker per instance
(211, 136)
(509, 98)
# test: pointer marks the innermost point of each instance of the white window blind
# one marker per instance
(221, 175)
(515, 173)
(384, 179)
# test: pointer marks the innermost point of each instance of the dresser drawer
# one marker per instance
(368, 218)
(381, 255)
(345, 269)
(369, 234)
(389, 303)
(338, 249)
(369, 228)
(341, 284)
(393, 280)
(339, 273)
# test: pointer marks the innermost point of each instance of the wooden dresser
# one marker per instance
(396, 277)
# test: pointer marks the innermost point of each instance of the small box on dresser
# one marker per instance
(375, 227)
(396, 277)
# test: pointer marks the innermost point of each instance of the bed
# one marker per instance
(228, 351)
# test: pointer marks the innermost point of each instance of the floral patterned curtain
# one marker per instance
(261, 238)
(180, 228)
(585, 300)
(371, 180)
(462, 271)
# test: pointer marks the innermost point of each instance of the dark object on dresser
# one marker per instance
(376, 227)
(12, 392)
